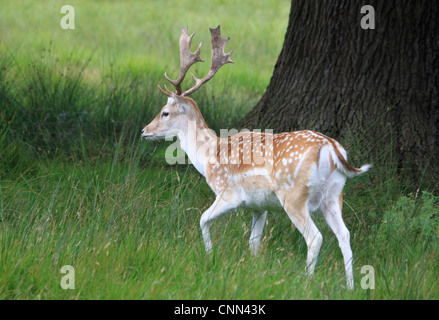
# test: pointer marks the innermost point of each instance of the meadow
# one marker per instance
(79, 187)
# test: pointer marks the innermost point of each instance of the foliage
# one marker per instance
(412, 218)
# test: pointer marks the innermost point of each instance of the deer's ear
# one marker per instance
(181, 102)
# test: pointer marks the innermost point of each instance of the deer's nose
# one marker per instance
(143, 130)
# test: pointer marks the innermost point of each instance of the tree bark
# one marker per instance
(375, 90)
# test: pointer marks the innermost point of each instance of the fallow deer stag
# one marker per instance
(298, 172)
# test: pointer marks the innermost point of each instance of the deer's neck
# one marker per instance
(199, 142)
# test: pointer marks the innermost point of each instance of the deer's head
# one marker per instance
(172, 119)
(180, 109)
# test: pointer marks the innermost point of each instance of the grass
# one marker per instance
(78, 187)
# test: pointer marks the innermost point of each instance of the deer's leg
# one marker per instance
(295, 206)
(331, 209)
(221, 206)
(258, 224)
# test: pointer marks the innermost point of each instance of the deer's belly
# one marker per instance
(260, 199)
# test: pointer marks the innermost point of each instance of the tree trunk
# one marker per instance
(376, 90)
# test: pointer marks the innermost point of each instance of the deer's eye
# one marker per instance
(165, 114)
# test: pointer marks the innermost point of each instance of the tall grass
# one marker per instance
(79, 188)
(129, 237)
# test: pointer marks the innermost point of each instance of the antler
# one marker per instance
(219, 58)
(188, 58)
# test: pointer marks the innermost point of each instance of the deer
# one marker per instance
(296, 172)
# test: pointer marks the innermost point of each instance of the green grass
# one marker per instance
(78, 187)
